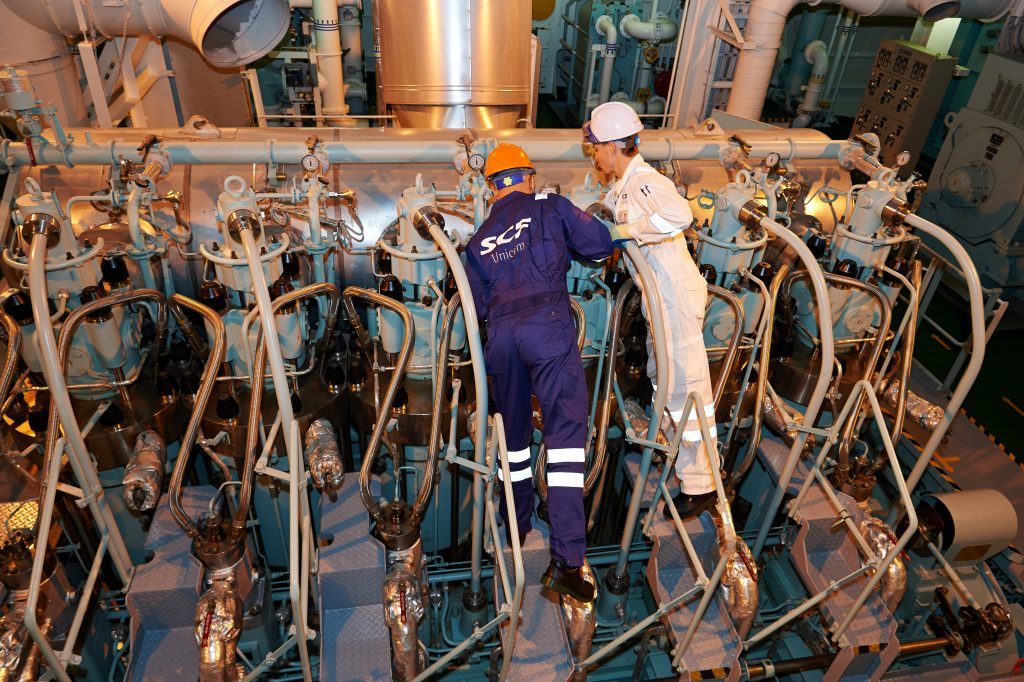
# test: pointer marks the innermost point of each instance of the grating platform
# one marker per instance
(823, 553)
(355, 642)
(541, 648)
(715, 647)
(163, 596)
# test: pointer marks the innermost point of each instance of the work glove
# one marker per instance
(619, 234)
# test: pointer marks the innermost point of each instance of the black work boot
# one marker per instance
(689, 506)
(567, 580)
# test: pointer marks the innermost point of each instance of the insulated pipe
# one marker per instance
(767, 20)
(227, 33)
(752, 211)
(383, 145)
(606, 27)
(653, 107)
(328, 60)
(816, 54)
(978, 339)
(60, 401)
(206, 384)
(384, 409)
(660, 29)
(430, 221)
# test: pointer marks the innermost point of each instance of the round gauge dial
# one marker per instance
(310, 162)
(772, 159)
(476, 162)
(903, 159)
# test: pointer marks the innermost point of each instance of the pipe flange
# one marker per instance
(895, 212)
(243, 219)
(474, 602)
(216, 546)
(424, 218)
(41, 223)
(397, 527)
(616, 584)
(751, 214)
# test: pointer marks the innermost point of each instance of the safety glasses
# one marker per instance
(588, 135)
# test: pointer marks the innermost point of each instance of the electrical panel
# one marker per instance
(902, 97)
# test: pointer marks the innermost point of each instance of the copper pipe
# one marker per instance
(259, 368)
(206, 384)
(730, 354)
(440, 381)
(404, 355)
(907, 360)
(762, 373)
(13, 349)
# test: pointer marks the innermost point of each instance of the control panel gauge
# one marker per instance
(476, 162)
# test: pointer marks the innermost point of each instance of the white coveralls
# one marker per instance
(647, 205)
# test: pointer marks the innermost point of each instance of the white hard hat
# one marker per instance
(612, 121)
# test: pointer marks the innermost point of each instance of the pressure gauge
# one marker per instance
(772, 160)
(476, 162)
(903, 159)
(310, 163)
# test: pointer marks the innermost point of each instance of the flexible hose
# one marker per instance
(434, 444)
(404, 356)
(13, 351)
(206, 384)
(256, 394)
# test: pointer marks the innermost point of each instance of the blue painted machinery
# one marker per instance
(247, 433)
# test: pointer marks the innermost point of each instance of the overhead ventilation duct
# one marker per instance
(227, 33)
(767, 19)
(453, 63)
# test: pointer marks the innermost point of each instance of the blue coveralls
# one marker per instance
(516, 263)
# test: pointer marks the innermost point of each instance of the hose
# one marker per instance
(206, 384)
(404, 356)
(13, 351)
(434, 444)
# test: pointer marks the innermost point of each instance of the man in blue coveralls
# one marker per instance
(516, 263)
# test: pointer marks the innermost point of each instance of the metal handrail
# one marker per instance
(256, 395)
(648, 287)
(879, 565)
(513, 596)
(706, 586)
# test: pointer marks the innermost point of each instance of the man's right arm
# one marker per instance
(481, 296)
(586, 235)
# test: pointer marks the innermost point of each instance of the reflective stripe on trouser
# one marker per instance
(682, 307)
(537, 355)
(692, 464)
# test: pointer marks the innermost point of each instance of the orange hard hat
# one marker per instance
(506, 157)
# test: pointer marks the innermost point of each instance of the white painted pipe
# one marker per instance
(226, 32)
(326, 26)
(816, 54)
(657, 30)
(767, 20)
(653, 106)
(606, 27)
(352, 60)
(79, 457)
(379, 145)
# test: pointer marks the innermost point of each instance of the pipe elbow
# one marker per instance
(606, 27)
(816, 54)
(660, 29)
